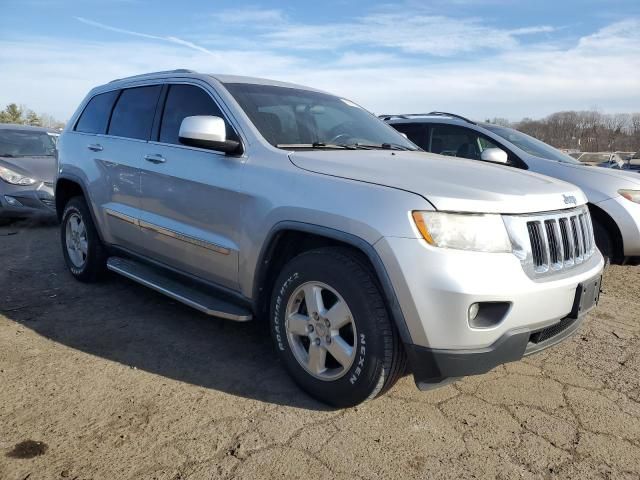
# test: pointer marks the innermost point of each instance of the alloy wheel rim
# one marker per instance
(76, 240)
(321, 331)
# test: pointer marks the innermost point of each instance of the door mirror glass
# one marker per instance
(206, 131)
(494, 155)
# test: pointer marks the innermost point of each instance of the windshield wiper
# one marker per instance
(381, 146)
(315, 145)
(8, 155)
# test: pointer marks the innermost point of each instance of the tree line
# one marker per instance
(20, 115)
(587, 131)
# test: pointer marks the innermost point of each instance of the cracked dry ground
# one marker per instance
(119, 382)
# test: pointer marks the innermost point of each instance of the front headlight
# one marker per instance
(15, 178)
(477, 232)
(633, 195)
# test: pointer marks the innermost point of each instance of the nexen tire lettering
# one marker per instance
(277, 327)
(356, 373)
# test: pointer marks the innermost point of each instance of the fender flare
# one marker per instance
(360, 244)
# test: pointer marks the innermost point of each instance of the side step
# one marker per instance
(182, 291)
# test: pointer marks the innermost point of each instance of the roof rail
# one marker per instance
(142, 75)
(410, 115)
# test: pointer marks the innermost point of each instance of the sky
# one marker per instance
(481, 59)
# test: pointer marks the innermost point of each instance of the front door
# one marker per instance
(191, 197)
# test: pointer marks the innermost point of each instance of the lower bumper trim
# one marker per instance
(434, 367)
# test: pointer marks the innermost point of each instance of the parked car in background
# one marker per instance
(614, 195)
(604, 158)
(27, 171)
(249, 198)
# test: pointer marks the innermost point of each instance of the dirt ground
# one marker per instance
(113, 381)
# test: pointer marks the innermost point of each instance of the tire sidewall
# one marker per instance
(363, 377)
(74, 206)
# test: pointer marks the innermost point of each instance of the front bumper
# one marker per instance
(435, 288)
(433, 367)
(27, 201)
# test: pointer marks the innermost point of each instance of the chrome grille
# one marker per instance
(552, 242)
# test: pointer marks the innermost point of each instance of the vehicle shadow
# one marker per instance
(124, 322)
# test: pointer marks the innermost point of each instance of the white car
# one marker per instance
(614, 195)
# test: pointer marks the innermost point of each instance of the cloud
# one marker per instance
(250, 16)
(511, 80)
(171, 39)
(407, 31)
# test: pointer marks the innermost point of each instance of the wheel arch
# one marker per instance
(609, 223)
(67, 187)
(288, 239)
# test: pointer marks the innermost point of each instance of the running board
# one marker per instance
(182, 291)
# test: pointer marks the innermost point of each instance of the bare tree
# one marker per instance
(588, 130)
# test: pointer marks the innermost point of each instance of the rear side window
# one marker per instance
(133, 114)
(95, 116)
(416, 132)
(459, 142)
(187, 101)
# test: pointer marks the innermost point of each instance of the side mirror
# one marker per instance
(209, 132)
(494, 155)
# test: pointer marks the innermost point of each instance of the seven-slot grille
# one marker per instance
(561, 241)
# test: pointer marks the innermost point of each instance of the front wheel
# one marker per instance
(332, 330)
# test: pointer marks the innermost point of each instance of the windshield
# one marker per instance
(290, 117)
(531, 145)
(26, 143)
(596, 157)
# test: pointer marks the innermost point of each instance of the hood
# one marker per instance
(449, 183)
(598, 183)
(632, 176)
(39, 168)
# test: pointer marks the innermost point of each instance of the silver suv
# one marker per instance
(248, 198)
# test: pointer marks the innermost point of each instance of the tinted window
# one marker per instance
(187, 101)
(458, 142)
(133, 114)
(95, 116)
(417, 133)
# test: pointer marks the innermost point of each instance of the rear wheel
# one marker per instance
(332, 330)
(83, 251)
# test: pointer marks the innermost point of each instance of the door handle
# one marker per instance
(96, 147)
(155, 158)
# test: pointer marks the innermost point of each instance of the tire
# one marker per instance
(339, 279)
(604, 242)
(89, 263)
(6, 221)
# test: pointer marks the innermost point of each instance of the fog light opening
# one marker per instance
(484, 315)
(12, 201)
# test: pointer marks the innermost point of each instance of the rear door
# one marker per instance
(191, 197)
(121, 157)
(114, 190)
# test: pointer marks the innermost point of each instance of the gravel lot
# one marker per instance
(114, 381)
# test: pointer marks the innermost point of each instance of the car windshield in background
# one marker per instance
(296, 118)
(25, 143)
(596, 157)
(531, 145)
